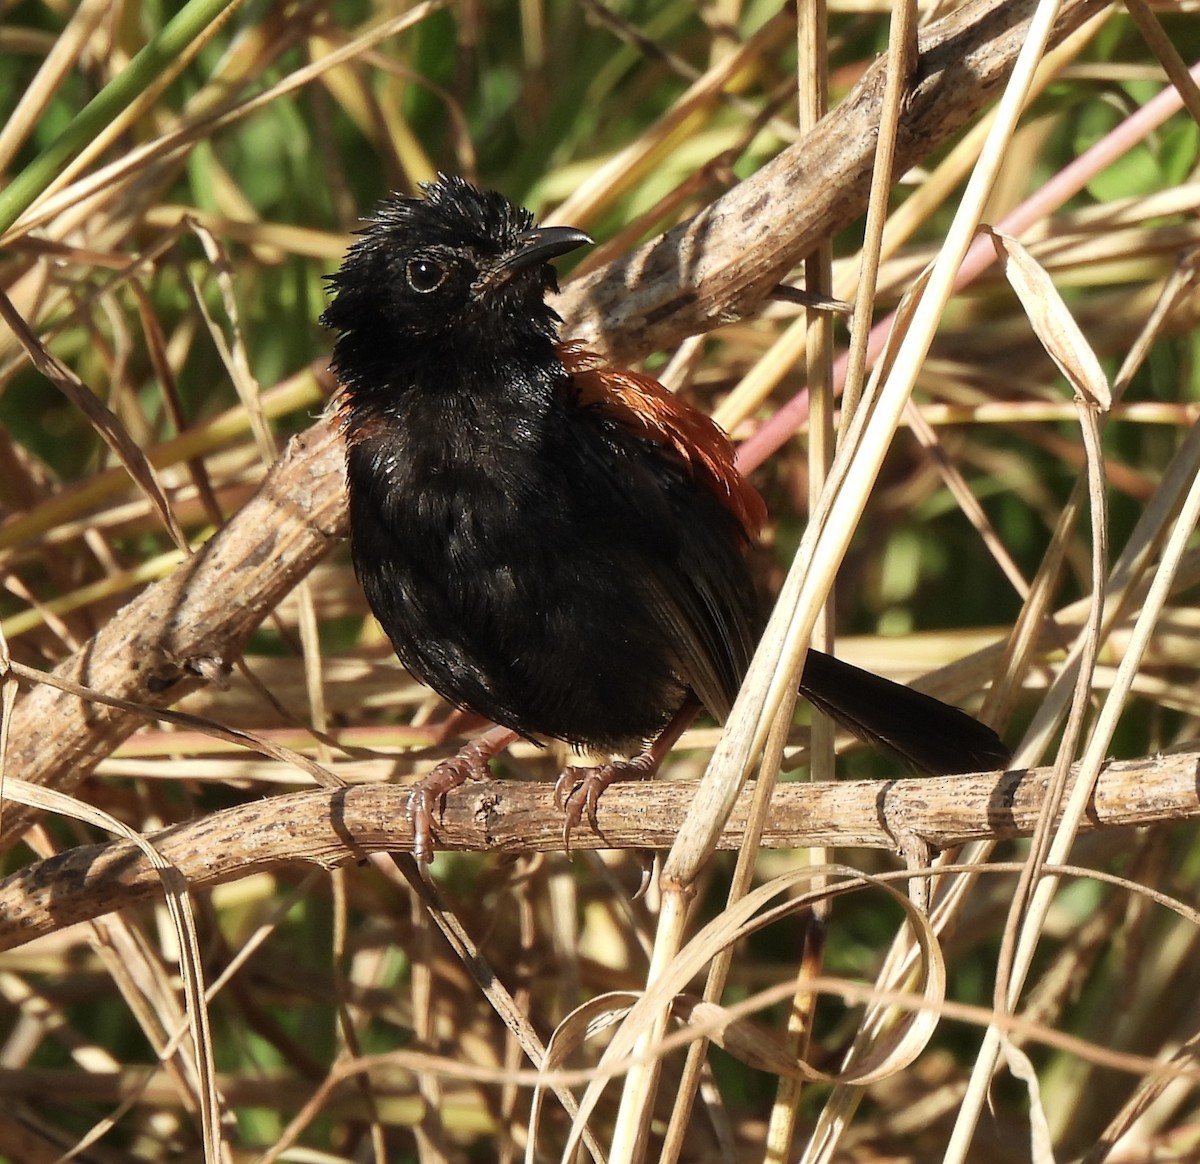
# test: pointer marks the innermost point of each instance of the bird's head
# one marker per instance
(458, 265)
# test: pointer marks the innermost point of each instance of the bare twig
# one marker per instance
(333, 828)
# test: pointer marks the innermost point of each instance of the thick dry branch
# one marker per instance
(506, 816)
(716, 267)
(187, 629)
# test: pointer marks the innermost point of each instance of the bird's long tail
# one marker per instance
(925, 733)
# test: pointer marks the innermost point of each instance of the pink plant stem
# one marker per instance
(1065, 184)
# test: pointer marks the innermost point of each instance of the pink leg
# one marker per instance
(429, 794)
(578, 789)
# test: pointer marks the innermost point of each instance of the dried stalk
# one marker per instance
(332, 828)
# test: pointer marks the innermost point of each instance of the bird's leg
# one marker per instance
(579, 789)
(428, 796)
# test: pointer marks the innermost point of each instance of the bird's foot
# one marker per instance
(578, 789)
(428, 796)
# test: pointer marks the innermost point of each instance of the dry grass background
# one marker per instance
(180, 651)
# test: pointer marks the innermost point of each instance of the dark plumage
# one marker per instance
(549, 542)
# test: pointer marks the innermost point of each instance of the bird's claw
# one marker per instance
(428, 797)
(578, 790)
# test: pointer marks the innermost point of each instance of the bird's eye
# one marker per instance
(425, 275)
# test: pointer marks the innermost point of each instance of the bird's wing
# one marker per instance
(643, 406)
(701, 593)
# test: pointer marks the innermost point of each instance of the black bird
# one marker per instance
(553, 543)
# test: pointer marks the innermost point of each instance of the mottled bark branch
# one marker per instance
(187, 629)
(507, 816)
(720, 265)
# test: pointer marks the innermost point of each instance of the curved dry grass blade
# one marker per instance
(175, 894)
(1053, 324)
(643, 1028)
(1096, 749)
(583, 1023)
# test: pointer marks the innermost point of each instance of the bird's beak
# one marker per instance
(540, 245)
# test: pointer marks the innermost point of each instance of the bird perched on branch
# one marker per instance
(551, 542)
